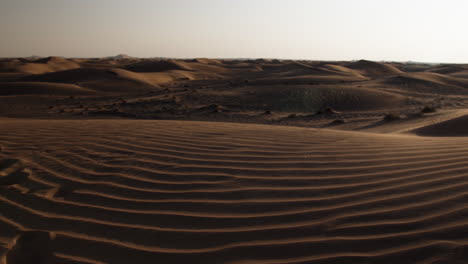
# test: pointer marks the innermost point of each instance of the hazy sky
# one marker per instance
(417, 30)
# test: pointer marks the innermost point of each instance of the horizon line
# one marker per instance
(227, 58)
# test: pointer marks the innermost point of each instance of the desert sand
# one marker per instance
(126, 160)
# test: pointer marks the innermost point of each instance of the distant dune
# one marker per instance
(428, 82)
(105, 80)
(207, 61)
(372, 68)
(304, 98)
(157, 66)
(176, 88)
(448, 69)
(50, 64)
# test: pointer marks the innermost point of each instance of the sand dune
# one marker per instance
(448, 69)
(427, 82)
(245, 89)
(431, 79)
(157, 66)
(50, 64)
(201, 192)
(301, 68)
(105, 80)
(372, 68)
(457, 127)
(208, 61)
(301, 73)
(342, 69)
(304, 98)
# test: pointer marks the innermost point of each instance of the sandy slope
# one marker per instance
(50, 64)
(122, 191)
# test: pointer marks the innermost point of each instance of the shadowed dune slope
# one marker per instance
(22, 88)
(372, 68)
(302, 98)
(122, 191)
(429, 79)
(428, 82)
(301, 68)
(457, 127)
(302, 73)
(207, 61)
(157, 66)
(449, 69)
(105, 80)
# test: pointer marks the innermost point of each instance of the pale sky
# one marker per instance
(396, 30)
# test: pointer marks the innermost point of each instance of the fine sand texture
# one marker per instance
(154, 191)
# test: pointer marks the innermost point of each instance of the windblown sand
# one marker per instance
(135, 191)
